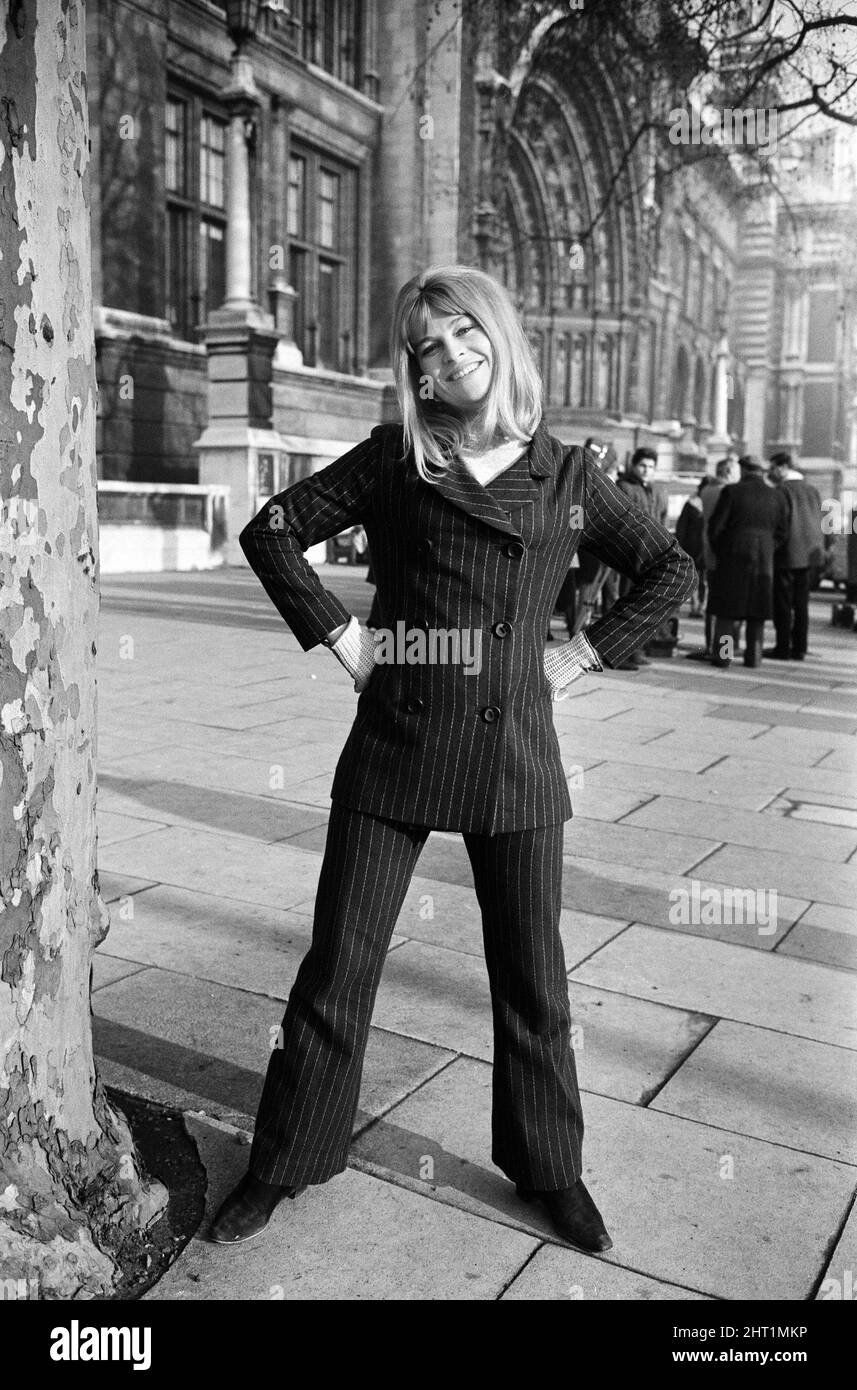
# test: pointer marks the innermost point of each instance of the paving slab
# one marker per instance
(226, 713)
(842, 919)
(623, 1047)
(791, 874)
(580, 732)
(182, 803)
(113, 827)
(683, 785)
(656, 1179)
(233, 867)
(712, 977)
(730, 824)
(803, 752)
(107, 969)
(801, 797)
(660, 850)
(595, 700)
(215, 1041)
(555, 1274)
(212, 938)
(114, 886)
(826, 815)
(762, 776)
(125, 1077)
(783, 737)
(353, 1238)
(670, 901)
(842, 760)
(792, 719)
(788, 1090)
(602, 803)
(685, 759)
(212, 767)
(839, 1281)
(314, 791)
(627, 1047)
(824, 933)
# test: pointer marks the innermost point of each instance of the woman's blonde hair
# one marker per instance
(513, 401)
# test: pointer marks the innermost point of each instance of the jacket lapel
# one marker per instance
(498, 504)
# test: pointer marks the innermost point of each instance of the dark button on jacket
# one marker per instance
(449, 769)
(501, 629)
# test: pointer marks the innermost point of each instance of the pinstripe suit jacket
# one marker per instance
(431, 743)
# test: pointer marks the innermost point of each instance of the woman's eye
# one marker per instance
(465, 328)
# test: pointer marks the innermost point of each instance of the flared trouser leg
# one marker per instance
(537, 1121)
(309, 1100)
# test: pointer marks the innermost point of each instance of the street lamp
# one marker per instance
(242, 17)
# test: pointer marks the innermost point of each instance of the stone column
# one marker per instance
(243, 102)
(240, 339)
(719, 443)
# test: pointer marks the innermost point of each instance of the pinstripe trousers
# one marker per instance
(309, 1101)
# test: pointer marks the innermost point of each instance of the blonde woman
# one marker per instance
(473, 513)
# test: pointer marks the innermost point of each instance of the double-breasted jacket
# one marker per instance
(468, 742)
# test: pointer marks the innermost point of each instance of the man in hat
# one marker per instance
(748, 526)
(793, 565)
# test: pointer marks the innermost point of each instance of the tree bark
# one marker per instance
(71, 1189)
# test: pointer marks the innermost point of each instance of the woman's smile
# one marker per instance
(451, 355)
(464, 371)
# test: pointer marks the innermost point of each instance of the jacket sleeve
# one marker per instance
(639, 547)
(309, 511)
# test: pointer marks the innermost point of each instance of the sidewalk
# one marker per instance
(718, 1058)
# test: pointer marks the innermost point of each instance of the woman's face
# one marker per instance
(456, 356)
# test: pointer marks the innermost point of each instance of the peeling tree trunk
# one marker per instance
(71, 1191)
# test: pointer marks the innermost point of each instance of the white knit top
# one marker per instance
(490, 463)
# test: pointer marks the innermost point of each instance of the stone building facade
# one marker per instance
(367, 150)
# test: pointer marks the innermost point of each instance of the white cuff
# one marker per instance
(355, 648)
(565, 663)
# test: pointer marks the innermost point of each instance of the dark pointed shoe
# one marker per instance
(247, 1210)
(574, 1217)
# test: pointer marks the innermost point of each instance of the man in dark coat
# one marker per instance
(748, 525)
(794, 563)
(636, 485)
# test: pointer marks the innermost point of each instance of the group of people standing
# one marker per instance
(755, 536)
